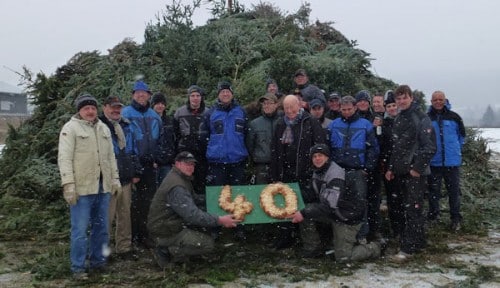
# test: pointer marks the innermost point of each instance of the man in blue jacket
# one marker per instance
(450, 136)
(147, 145)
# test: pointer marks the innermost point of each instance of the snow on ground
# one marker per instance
(493, 137)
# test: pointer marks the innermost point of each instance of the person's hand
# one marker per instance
(414, 173)
(297, 217)
(228, 221)
(116, 187)
(69, 193)
(136, 180)
(389, 175)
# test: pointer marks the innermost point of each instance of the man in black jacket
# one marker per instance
(414, 144)
(296, 132)
(340, 204)
(175, 221)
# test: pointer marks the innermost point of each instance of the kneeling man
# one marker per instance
(339, 203)
(175, 222)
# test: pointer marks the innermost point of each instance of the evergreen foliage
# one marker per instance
(244, 47)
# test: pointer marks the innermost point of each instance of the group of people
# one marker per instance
(146, 171)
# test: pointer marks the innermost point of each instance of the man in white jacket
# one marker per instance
(88, 175)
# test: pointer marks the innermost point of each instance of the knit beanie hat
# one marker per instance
(195, 88)
(320, 148)
(389, 97)
(224, 85)
(84, 100)
(363, 95)
(158, 98)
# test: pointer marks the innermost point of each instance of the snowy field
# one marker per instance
(493, 137)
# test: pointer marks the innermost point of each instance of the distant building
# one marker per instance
(12, 100)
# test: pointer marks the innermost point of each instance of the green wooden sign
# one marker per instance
(252, 193)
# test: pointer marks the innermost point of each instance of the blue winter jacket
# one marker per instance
(353, 143)
(227, 126)
(450, 137)
(148, 125)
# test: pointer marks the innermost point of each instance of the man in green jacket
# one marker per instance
(175, 222)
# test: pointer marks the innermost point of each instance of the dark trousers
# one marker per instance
(396, 214)
(200, 176)
(371, 225)
(226, 173)
(142, 196)
(451, 176)
(410, 203)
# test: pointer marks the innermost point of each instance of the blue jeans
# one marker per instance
(162, 171)
(451, 177)
(93, 210)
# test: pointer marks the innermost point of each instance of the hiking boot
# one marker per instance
(401, 257)
(283, 243)
(162, 257)
(126, 256)
(456, 226)
(80, 276)
(103, 269)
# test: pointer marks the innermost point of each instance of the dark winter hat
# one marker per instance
(158, 98)
(320, 148)
(300, 72)
(334, 95)
(113, 101)
(316, 102)
(141, 86)
(268, 96)
(185, 156)
(224, 85)
(270, 81)
(363, 95)
(84, 100)
(195, 88)
(389, 97)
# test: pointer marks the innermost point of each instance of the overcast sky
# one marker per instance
(450, 45)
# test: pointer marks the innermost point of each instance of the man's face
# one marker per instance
(403, 101)
(334, 104)
(438, 100)
(88, 113)
(159, 108)
(301, 79)
(195, 100)
(391, 109)
(268, 106)
(272, 88)
(186, 168)
(317, 111)
(225, 96)
(319, 159)
(378, 103)
(291, 109)
(347, 110)
(363, 105)
(141, 97)
(112, 112)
